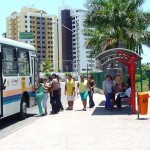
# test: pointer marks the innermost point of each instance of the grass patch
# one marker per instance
(144, 85)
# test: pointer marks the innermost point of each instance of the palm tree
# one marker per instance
(99, 41)
(114, 22)
(47, 66)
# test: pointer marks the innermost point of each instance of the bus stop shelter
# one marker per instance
(129, 59)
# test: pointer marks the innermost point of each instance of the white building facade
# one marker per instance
(80, 54)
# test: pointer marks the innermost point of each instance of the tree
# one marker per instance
(47, 67)
(110, 23)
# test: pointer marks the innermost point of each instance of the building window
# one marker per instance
(43, 42)
(49, 19)
(25, 16)
(43, 23)
(38, 27)
(25, 26)
(43, 28)
(25, 21)
(38, 32)
(38, 22)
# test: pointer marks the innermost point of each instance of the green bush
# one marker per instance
(67, 73)
(47, 75)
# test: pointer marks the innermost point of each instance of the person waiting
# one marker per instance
(126, 94)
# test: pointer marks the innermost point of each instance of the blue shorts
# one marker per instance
(84, 96)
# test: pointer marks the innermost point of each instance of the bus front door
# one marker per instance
(1, 86)
(35, 74)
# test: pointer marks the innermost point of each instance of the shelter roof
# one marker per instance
(115, 54)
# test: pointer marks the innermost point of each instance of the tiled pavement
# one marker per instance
(94, 129)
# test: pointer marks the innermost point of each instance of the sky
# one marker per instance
(52, 7)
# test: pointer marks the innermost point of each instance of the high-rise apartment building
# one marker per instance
(73, 54)
(43, 28)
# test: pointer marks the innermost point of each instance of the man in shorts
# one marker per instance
(70, 92)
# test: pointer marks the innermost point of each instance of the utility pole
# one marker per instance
(78, 56)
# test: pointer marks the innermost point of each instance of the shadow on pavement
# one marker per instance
(100, 110)
(141, 119)
(11, 120)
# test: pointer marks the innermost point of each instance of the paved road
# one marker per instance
(11, 124)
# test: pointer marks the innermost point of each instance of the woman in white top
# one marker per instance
(126, 94)
(46, 86)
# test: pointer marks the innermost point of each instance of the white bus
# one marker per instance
(18, 69)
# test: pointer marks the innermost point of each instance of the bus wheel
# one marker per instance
(23, 110)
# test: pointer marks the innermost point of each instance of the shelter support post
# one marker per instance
(132, 71)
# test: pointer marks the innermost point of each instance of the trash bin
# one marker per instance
(143, 102)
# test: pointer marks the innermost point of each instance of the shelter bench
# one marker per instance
(126, 100)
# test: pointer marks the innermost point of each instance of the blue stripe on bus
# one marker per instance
(15, 98)
(11, 101)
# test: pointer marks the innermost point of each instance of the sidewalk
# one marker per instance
(93, 129)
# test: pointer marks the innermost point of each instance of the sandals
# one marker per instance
(69, 108)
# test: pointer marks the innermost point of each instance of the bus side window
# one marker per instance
(10, 66)
(23, 62)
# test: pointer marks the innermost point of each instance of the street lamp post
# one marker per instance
(78, 60)
(78, 51)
